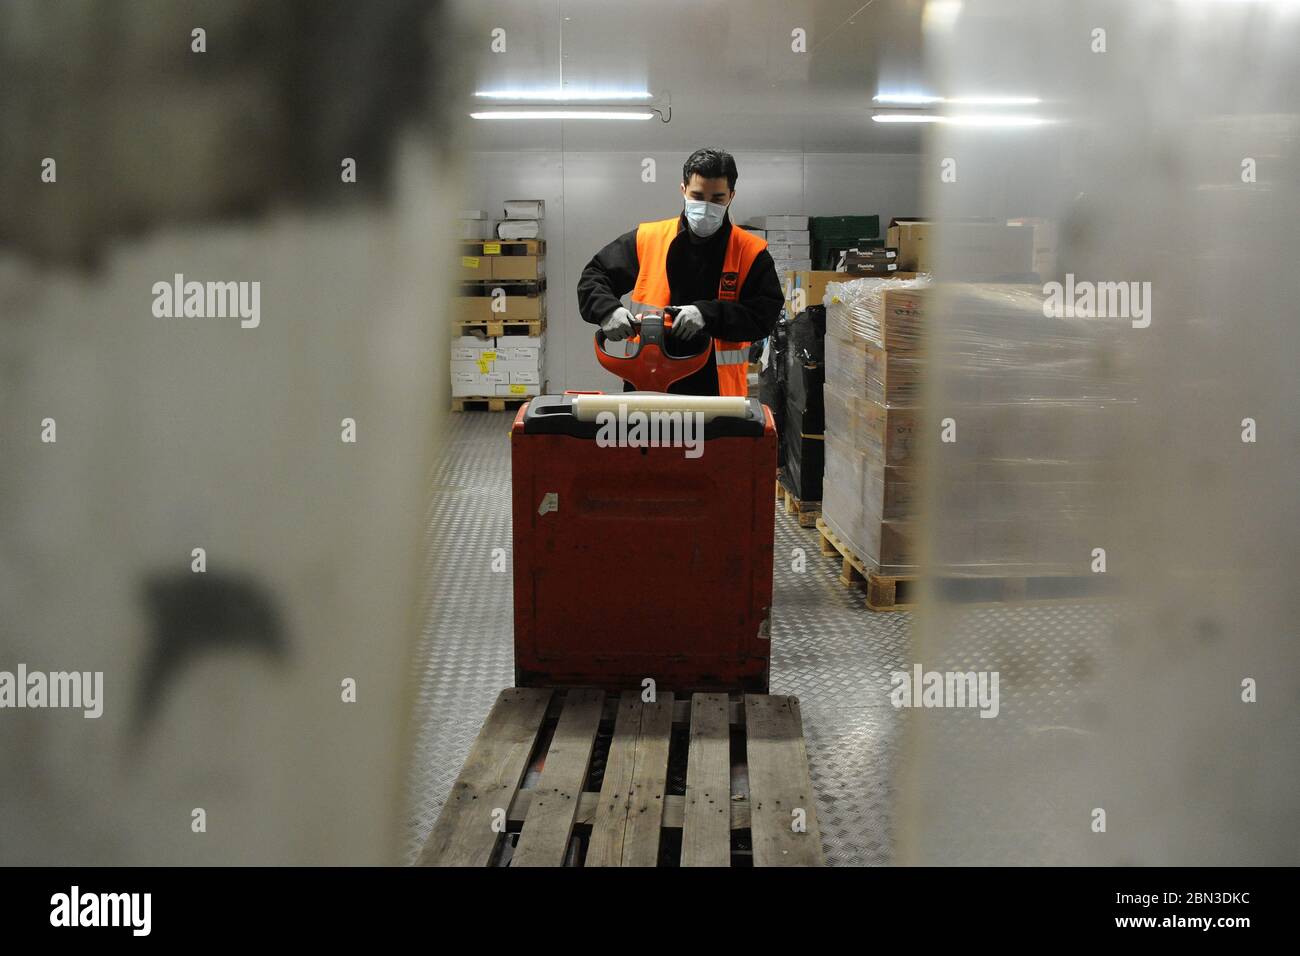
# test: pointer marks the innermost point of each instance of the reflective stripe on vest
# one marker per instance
(651, 289)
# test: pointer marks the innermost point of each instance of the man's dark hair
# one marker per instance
(710, 164)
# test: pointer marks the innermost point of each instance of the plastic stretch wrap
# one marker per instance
(1034, 401)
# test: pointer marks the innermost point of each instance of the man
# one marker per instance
(721, 278)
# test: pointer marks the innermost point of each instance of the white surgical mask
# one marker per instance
(703, 217)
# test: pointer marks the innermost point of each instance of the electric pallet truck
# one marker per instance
(646, 573)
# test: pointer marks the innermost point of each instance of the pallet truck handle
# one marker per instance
(649, 367)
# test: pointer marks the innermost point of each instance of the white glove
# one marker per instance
(618, 326)
(688, 323)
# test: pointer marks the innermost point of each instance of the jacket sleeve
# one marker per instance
(754, 314)
(608, 277)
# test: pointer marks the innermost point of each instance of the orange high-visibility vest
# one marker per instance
(651, 289)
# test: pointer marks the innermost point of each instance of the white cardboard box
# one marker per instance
(521, 353)
(525, 208)
(526, 341)
(789, 250)
(465, 384)
(517, 389)
(788, 235)
(780, 222)
(533, 377)
(463, 353)
(510, 367)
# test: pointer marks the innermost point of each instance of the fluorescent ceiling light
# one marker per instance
(561, 115)
(906, 118)
(907, 99)
(992, 119)
(924, 99)
(562, 96)
(994, 100)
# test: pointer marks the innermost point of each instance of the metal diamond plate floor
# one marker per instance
(828, 649)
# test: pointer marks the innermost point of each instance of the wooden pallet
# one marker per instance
(517, 287)
(504, 247)
(852, 568)
(498, 403)
(579, 778)
(900, 592)
(494, 327)
(805, 512)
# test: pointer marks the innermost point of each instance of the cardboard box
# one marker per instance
(510, 229)
(473, 229)
(521, 341)
(780, 222)
(531, 377)
(788, 235)
(516, 267)
(517, 308)
(517, 390)
(813, 284)
(865, 370)
(475, 267)
(525, 208)
(511, 366)
(469, 353)
(903, 319)
(789, 250)
(911, 237)
(466, 383)
(520, 353)
(893, 434)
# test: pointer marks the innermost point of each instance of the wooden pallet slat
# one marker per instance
(549, 824)
(645, 814)
(464, 834)
(487, 403)
(624, 823)
(495, 327)
(706, 827)
(605, 848)
(779, 784)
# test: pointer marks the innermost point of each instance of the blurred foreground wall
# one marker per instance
(1154, 447)
(253, 695)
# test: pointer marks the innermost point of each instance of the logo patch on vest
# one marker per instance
(729, 285)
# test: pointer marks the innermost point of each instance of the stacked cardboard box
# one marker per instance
(473, 225)
(522, 219)
(976, 250)
(1026, 472)
(503, 283)
(874, 361)
(787, 242)
(501, 365)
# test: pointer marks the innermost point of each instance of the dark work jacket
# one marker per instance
(694, 271)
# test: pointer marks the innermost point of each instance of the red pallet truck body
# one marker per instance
(642, 562)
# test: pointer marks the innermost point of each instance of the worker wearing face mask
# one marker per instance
(721, 278)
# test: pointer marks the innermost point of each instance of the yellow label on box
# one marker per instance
(469, 262)
(518, 389)
(485, 360)
(491, 248)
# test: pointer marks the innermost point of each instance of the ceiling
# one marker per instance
(726, 66)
